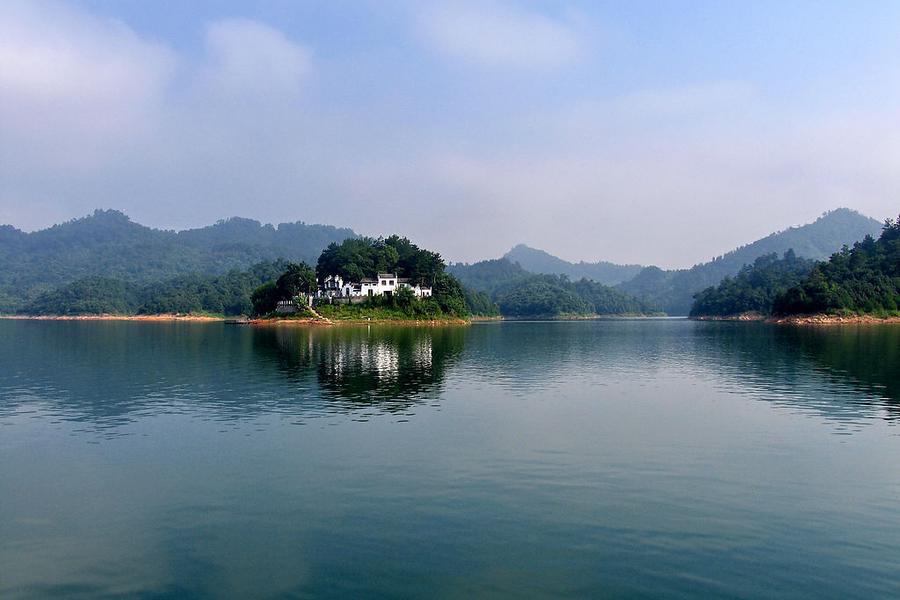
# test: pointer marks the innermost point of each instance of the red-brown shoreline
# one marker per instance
(347, 322)
(163, 318)
(817, 319)
(147, 318)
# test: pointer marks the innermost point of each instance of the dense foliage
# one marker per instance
(479, 303)
(606, 300)
(673, 291)
(519, 293)
(541, 296)
(227, 294)
(401, 306)
(861, 279)
(754, 288)
(296, 279)
(489, 275)
(555, 295)
(357, 258)
(86, 296)
(108, 245)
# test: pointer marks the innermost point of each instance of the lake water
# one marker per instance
(606, 459)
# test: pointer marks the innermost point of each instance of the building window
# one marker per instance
(391, 282)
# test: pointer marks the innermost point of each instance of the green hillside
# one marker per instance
(539, 261)
(864, 279)
(519, 293)
(550, 296)
(488, 275)
(754, 288)
(673, 291)
(227, 294)
(108, 244)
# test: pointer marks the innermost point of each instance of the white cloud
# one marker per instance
(94, 114)
(496, 35)
(74, 87)
(250, 58)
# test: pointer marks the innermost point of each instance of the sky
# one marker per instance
(637, 132)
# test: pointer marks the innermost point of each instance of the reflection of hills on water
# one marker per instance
(528, 356)
(840, 372)
(111, 373)
(391, 365)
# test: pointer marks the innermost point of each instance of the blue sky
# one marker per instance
(651, 132)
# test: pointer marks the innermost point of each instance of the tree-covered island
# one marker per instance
(388, 279)
(858, 281)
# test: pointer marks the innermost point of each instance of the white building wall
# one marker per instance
(385, 282)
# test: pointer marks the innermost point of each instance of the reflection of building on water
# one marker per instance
(393, 365)
(382, 359)
(386, 366)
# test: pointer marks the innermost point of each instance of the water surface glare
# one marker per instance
(607, 459)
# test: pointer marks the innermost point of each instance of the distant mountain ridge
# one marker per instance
(108, 244)
(673, 291)
(540, 261)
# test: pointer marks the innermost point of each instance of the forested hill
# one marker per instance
(673, 291)
(539, 261)
(108, 244)
(755, 288)
(488, 275)
(817, 240)
(522, 294)
(864, 279)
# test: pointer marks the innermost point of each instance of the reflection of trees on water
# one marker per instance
(838, 371)
(390, 365)
(541, 356)
(113, 373)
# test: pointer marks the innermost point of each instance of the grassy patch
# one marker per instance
(415, 311)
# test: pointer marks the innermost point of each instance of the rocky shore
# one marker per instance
(819, 319)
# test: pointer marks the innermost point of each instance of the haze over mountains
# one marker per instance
(108, 244)
(540, 261)
(672, 291)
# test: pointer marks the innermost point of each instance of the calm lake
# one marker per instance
(605, 459)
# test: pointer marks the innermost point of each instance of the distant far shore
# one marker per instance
(819, 319)
(330, 322)
(167, 317)
(160, 317)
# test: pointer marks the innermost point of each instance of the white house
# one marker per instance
(418, 290)
(385, 284)
(331, 286)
